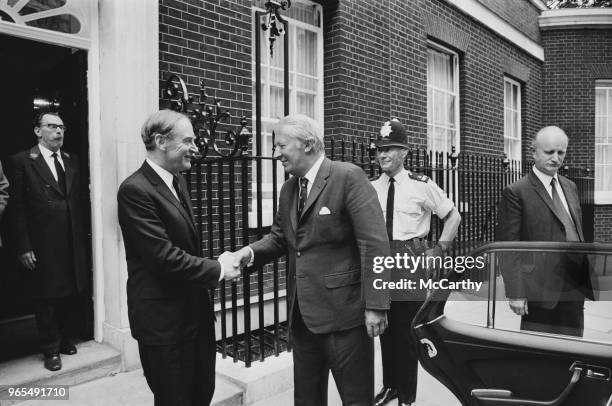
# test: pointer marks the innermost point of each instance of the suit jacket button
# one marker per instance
(298, 254)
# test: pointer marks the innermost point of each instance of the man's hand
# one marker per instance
(228, 260)
(242, 257)
(28, 260)
(375, 321)
(519, 306)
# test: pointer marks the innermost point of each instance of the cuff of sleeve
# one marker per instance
(222, 273)
(252, 257)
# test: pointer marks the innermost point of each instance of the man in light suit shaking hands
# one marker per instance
(330, 225)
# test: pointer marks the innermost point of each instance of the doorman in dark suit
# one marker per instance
(330, 226)
(546, 289)
(169, 309)
(46, 218)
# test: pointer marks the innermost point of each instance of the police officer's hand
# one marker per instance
(28, 260)
(519, 306)
(375, 321)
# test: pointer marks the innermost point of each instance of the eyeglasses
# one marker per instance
(55, 126)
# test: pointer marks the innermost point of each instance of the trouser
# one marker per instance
(181, 374)
(349, 354)
(399, 352)
(57, 320)
(565, 318)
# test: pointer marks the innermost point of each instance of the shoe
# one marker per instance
(53, 362)
(68, 349)
(401, 401)
(385, 396)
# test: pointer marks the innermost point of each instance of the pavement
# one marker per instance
(130, 389)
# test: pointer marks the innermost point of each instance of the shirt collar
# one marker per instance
(544, 178)
(166, 176)
(312, 173)
(46, 152)
(399, 178)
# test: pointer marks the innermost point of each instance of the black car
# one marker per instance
(472, 342)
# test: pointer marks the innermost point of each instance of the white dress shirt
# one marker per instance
(49, 160)
(546, 179)
(167, 177)
(311, 175)
(414, 202)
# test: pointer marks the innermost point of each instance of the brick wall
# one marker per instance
(575, 58)
(603, 223)
(211, 40)
(521, 14)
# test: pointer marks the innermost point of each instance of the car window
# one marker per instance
(567, 294)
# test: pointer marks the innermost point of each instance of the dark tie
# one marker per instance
(61, 175)
(303, 195)
(177, 188)
(390, 201)
(570, 228)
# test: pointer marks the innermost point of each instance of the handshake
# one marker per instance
(234, 262)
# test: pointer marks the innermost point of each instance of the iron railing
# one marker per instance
(235, 197)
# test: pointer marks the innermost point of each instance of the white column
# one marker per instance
(128, 70)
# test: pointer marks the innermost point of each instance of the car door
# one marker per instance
(471, 341)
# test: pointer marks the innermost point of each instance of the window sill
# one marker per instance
(603, 198)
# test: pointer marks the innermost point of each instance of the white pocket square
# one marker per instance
(324, 211)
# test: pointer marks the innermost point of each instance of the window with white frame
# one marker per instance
(442, 99)
(603, 142)
(305, 31)
(512, 119)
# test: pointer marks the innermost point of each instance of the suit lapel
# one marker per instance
(163, 190)
(541, 190)
(43, 169)
(293, 201)
(318, 186)
(572, 203)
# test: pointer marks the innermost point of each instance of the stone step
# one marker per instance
(92, 361)
(131, 389)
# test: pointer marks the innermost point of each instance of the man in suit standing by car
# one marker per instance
(169, 308)
(4, 196)
(45, 212)
(546, 289)
(330, 226)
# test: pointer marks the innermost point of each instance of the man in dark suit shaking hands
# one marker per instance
(169, 309)
(47, 226)
(330, 225)
(546, 289)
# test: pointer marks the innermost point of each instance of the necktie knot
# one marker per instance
(391, 180)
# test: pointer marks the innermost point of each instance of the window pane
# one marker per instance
(276, 103)
(600, 130)
(515, 95)
(305, 104)
(507, 94)
(35, 6)
(600, 102)
(450, 103)
(516, 125)
(306, 51)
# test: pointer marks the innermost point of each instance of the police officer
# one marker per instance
(408, 200)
